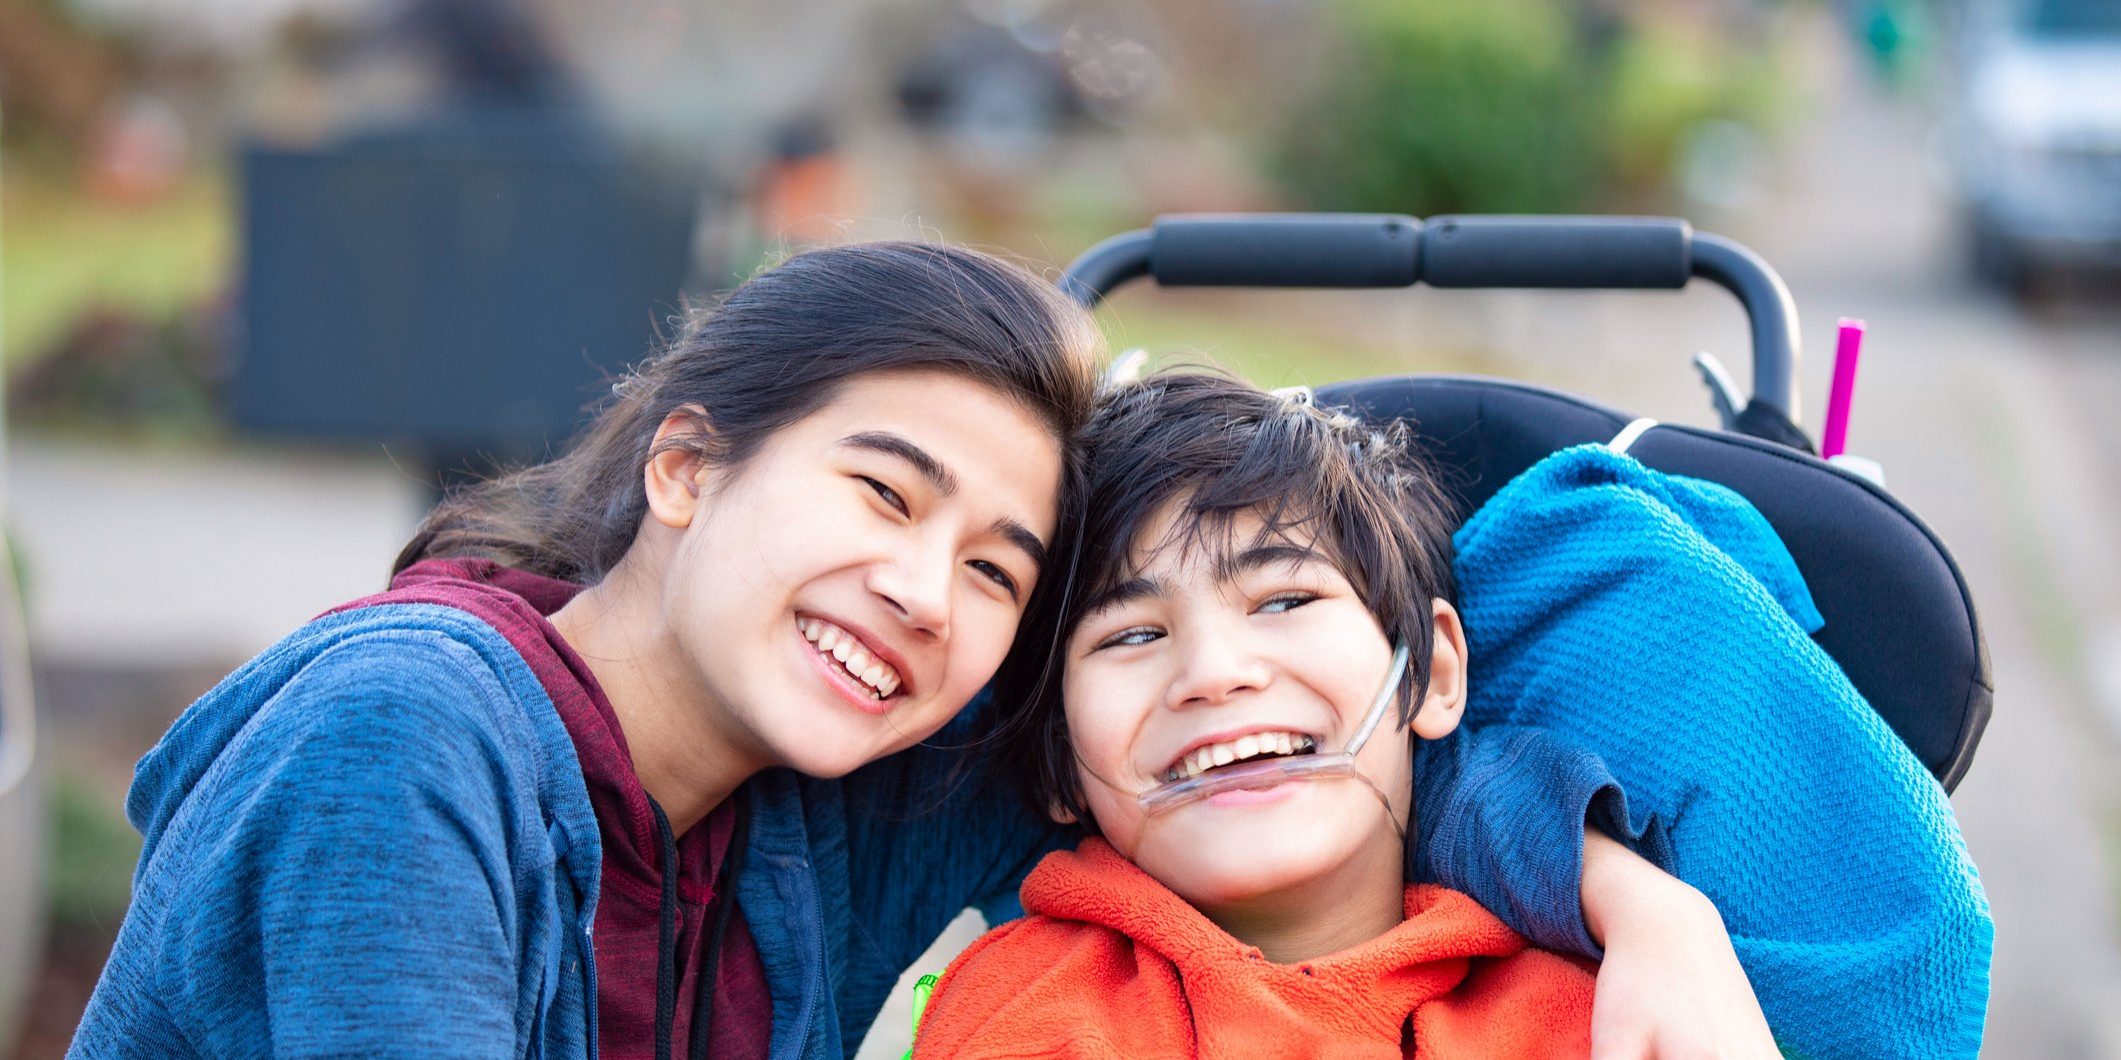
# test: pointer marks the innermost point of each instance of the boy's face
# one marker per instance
(1213, 654)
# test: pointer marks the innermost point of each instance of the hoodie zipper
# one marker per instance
(817, 950)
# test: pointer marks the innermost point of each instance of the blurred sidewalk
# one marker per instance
(143, 556)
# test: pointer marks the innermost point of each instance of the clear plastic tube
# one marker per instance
(1267, 772)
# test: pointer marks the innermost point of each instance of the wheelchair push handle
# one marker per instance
(1558, 252)
(1464, 251)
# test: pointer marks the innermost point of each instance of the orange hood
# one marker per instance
(1110, 963)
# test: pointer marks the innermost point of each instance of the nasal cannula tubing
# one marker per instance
(1267, 772)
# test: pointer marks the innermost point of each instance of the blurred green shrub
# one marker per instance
(1512, 106)
(68, 254)
(1445, 106)
(1664, 80)
(90, 878)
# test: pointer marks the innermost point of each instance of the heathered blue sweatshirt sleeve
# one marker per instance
(1660, 621)
(339, 882)
(1501, 812)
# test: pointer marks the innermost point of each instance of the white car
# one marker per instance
(2035, 136)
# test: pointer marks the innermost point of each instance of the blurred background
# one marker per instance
(274, 271)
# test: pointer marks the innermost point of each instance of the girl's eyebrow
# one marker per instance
(900, 446)
(945, 484)
(1021, 536)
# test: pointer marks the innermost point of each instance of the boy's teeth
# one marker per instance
(827, 637)
(1252, 745)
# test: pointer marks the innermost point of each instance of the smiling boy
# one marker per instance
(1248, 565)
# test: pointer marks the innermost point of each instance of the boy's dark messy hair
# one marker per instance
(1223, 448)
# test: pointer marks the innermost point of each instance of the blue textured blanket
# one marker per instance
(1659, 621)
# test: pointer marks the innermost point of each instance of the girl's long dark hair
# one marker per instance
(777, 349)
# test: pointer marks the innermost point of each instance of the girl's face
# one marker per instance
(848, 589)
(1210, 656)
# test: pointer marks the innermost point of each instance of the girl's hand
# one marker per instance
(1671, 986)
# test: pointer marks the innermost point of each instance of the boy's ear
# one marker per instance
(676, 475)
(1445, 704)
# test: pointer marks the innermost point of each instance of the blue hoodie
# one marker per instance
(374, 840)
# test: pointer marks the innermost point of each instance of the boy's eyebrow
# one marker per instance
(1126, 592)
(1272, 554)
(1141, 587)
(900, 446)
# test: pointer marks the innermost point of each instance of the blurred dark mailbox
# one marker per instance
(458, 287)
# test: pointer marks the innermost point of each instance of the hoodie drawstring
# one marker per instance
(666, 969)
(725, 904)
(666, 957)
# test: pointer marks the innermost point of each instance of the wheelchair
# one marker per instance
(1900, 620)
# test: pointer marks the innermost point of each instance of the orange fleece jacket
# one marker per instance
(1110, 963)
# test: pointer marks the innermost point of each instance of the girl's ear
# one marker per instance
(1445, 704)
(676, 472)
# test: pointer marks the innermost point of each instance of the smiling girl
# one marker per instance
(650, 749)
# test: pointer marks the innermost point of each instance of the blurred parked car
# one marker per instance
(2035, 137)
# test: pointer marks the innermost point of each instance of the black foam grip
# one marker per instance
(1610, 252)
(1286, 250)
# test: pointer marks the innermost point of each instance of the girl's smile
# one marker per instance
(856, 665)
(838, 595)
(873, 556)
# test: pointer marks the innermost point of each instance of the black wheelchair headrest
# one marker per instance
(1899, 618)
